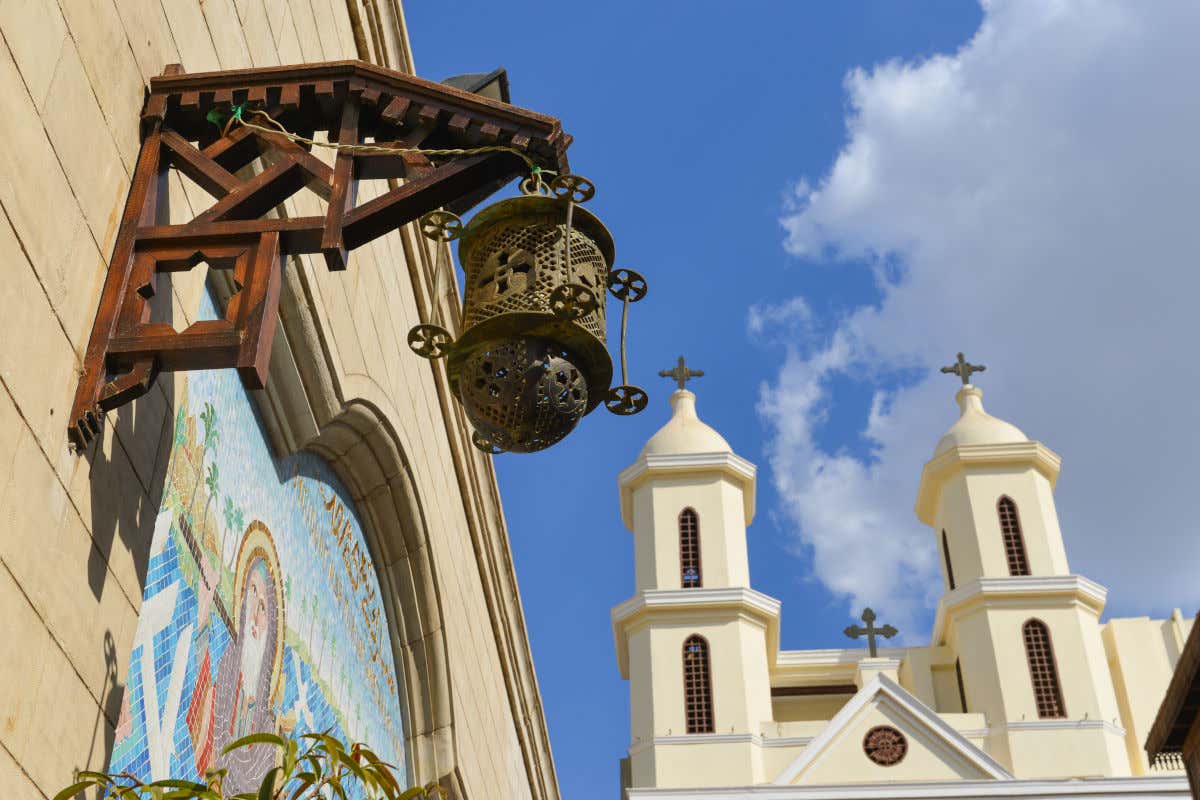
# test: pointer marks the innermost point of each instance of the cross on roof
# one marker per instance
(856, 631)
(681, 374)
(963, 369)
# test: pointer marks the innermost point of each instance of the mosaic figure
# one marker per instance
(261, 610)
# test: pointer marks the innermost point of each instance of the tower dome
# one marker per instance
(684, 433)
(976, 426)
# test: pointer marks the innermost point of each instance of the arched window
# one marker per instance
(1014, 542)
(689, 549)
(697, 685)
(946, 555)
(1043, 671)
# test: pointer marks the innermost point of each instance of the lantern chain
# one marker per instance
(238, 115)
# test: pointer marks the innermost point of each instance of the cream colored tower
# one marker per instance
(688, 491)
(1012, 609)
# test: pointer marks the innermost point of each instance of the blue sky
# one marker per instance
(829, 200)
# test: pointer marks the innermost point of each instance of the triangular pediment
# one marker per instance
(932, 750)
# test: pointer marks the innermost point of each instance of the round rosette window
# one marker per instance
(885, 745)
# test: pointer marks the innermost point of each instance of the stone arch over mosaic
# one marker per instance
(262, 608)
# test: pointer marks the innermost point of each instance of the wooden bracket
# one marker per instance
(353, 102)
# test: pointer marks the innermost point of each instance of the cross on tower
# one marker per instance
(963, 369)
(856, 631)
(681, 374)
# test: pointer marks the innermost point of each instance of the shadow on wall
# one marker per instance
(125, 502)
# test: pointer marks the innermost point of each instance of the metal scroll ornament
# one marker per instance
(532, 360)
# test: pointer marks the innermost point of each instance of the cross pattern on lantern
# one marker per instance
(509, 268)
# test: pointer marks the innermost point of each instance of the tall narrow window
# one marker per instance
(689, 549)
(1043, 671)
(946, 555)
(697, 685)
(962, 689)
(1014, 542)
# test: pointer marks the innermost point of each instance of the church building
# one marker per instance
(1022, 690)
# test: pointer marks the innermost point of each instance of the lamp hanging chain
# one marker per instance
(439, 270)
(624, 326)
(238, 112)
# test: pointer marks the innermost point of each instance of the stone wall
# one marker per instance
(76, 528)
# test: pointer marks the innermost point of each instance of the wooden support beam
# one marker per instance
(258, 195)
(141, 206)
(344, 188)
(298, 235)
(208, 174)
(403, 205)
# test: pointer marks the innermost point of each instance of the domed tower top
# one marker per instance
(976, 426)
(686, 448)
(684, 431)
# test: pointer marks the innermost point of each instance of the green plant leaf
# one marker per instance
(416, 791)
(255, 738)
(74, 789)
(307, 779)
(98, 777)
(171, 783)
(266, 789)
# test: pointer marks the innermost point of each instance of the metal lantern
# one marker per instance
(532, 360)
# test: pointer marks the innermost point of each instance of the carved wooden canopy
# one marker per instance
(354, 102)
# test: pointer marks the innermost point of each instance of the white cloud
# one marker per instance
(1040, 190)
(768, 318)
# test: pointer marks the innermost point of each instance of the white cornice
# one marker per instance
(1017, 590)
(720, 738)
(654, 465)
(847, 655)
(939, 468)
(1060, 725)
(1174, 788)
(674, 603)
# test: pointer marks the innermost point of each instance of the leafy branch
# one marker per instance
(323, 770)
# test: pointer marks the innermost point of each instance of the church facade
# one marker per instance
(1022, 691)
(327, 554)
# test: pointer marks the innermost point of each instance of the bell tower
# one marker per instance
(1024, 630)
(695, 641)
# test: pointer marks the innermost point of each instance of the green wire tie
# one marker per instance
(217, 117)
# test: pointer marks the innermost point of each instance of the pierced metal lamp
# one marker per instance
(532, 358)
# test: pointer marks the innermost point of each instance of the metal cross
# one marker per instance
(868, 616)
(963, 369)
(681, 374)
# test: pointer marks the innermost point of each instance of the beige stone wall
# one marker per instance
(76, 528)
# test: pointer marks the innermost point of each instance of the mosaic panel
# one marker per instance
(261, 610)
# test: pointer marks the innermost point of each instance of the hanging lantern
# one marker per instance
(532, 360)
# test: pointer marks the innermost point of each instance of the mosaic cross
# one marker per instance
(857, 631)
(681, 373)
(963, 369)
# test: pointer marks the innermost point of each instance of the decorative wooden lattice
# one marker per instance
(697, 685)
(689, 550)
(1043, 671)
(354, 103)
(1014, 542)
